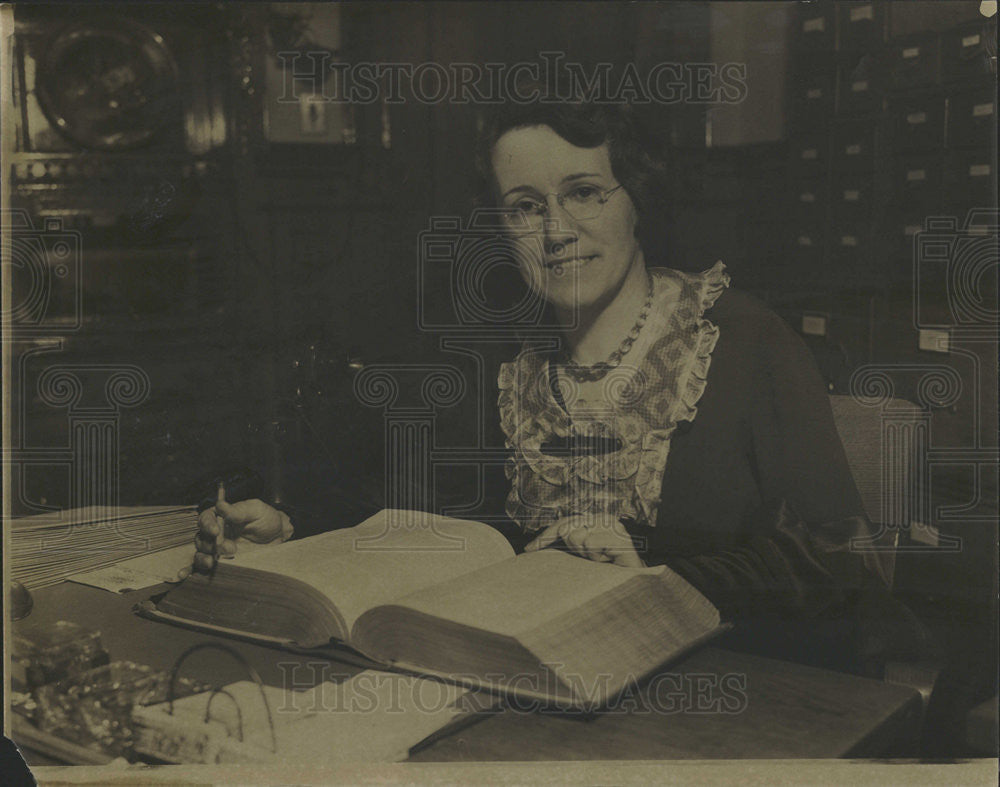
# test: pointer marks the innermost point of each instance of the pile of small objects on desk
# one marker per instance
(64, 682)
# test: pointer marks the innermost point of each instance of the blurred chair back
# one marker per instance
(884, 446)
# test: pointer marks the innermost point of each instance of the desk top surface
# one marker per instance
(716, 703)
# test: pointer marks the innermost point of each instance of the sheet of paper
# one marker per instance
(140, 572)
(371, 717)
(167, 565)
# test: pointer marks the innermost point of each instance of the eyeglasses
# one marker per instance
(582, 203)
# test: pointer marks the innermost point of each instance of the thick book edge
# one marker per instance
(570, 701)
(338, 651)
(232, 575)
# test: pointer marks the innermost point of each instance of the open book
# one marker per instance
(448, 598)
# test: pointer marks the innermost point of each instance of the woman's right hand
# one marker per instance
(223, 526)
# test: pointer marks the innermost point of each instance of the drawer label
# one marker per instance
(916, 118)
(970, 40)
(852, 150)
(864, 12)
(810, 153)
(805, 240)
(807, 196)
(814, 92)
(916, 174)
(981, 110)
(848, 240)
(814, 25)
(852, 195)
(860, 86)
(979, 170)
(911, 52)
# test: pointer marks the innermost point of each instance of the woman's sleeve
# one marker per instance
(798, 560)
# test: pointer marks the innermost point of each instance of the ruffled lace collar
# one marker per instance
(644, 405)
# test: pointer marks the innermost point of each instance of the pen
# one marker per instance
(221, 522)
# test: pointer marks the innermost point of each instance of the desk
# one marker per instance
(783, 710)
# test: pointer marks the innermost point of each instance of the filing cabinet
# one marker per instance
(966, 51)
(914, 61)
(918, 122)
(909, 138)
(861, 27)
(972, 118)
(855, 143)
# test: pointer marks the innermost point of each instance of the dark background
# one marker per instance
(250, 278)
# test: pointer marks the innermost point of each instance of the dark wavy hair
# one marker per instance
(589, 125)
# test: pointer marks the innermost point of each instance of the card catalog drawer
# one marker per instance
(813, 96)
(854, 144)
(972, 118)
(813, 29)
(900, 230)
(808, 199)
(851, 254)
(851, 238)
(852, 197)
(919, 122)
(862, 27)
(860, 87)
(965, 51)
(805, 241)
(914, 61)
(970, 179)
(810, 155)
(918, 182)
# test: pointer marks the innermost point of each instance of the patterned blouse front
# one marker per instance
(553, 468)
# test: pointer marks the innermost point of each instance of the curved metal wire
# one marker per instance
(239, 713)
(246, 665)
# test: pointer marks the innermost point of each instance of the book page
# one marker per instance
(521, 594)
(386, 557)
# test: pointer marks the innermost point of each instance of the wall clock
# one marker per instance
(108, 84)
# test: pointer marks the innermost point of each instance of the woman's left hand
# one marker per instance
(596, 538)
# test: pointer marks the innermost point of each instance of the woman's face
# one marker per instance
(570, 262)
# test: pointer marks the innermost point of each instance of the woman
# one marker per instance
(680, 422)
